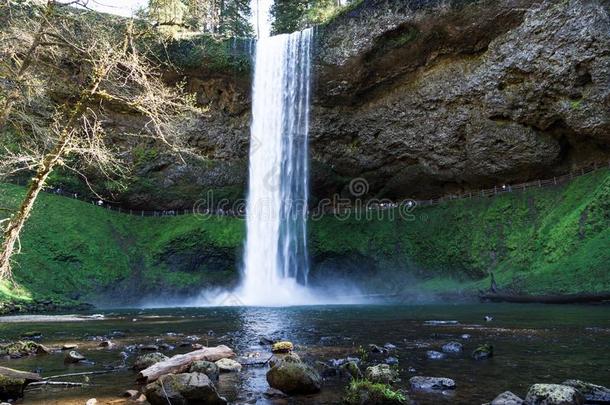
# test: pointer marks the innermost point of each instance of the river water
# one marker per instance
(533, 343)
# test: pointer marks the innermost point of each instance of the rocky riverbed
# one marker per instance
(317, 355)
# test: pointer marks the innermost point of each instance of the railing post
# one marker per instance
(554, 180)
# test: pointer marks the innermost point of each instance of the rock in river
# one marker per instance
(591, 392)
(228, 365)
(73, 357)
(381, 373)
(206, 367)
(431, 383)
(183, 389)
(483, 352)
(452, 347)
(553, 394)
(507, 398)
(434, 355)
(22, 348)
(282, 347)
(294, 378)
(148, 359)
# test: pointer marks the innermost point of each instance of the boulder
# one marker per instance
(22, 348)
(13, 382)
(205, 367)
(591, 392)
(553, 394)
(73, 357)
(282, 347)
(183, 389)
(228, 365)
(434, 355)
(483, 352)
(69, 346)
(294, 378)
(507, 398)
(452, 347)
(381, 373)
(431, 383)
(280, 357)
(146, 360)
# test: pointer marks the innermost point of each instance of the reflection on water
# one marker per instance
(532, 344)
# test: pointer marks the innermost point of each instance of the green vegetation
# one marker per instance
(76, 251)
(542, 240)
(295, 15)
(206, 52)
(538, 241)
(364, 391)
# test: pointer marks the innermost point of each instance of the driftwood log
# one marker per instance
(547, 299)
(181, 362)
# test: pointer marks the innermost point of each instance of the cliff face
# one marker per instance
(426, 97)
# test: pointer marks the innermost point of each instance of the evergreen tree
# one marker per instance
(224, 17)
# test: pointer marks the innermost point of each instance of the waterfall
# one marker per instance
(275, 258)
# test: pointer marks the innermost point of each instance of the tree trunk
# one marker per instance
(182, 362)
(15, 225)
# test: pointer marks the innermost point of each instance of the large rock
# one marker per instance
(282, 347)
(591, 392)
(281, 357)
(294, 378)
(431, 383)
(553, 394)
(507, 398)
(13, 382)
(381, 373)
(183, 389)
(423, 99)
(22, 348)
(146, 360)
(206, 367)
(452, 347)
(228, 365)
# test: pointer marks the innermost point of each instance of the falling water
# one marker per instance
(275, 258)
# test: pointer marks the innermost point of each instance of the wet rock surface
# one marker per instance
(294, 378)
(431, 383)
(146, 360)
(507, 398)
(591, 392)
(183, 389)
(553, 394)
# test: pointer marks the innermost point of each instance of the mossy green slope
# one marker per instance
(542, 240)
(539, 241)
(72, 250)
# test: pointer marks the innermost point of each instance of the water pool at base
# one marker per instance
(533, 344)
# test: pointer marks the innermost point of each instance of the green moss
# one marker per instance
(364, 391)
(541, 240)
(76, 251)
